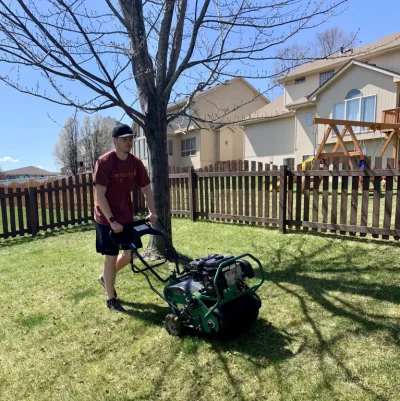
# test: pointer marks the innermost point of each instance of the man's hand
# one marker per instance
(152, 217)
(116, 227)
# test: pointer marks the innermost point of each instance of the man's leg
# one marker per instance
(109, 273)
(123, 260)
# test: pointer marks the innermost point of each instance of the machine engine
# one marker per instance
(203, 271)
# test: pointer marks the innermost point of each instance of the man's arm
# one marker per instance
(100, 191)
(148, 194)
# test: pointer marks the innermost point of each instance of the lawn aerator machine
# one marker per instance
(209, 294)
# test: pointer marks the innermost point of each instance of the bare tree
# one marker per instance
(95, 140)
(65, 151)
(2, 175)
(150, 51)
(333, 40)
(326, 43)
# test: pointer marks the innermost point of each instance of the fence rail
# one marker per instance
(334, 198)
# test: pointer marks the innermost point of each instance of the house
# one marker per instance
(218, 137)
(28, 173)
(361, 84)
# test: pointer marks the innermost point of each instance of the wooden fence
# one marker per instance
(328, 197)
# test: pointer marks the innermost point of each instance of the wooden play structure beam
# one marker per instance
(391, 130)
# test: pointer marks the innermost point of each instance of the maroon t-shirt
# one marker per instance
(119, 176)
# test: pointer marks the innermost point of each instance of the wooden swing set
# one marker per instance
(392, 132)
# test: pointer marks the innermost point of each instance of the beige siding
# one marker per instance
(305, 134)
(230, 146)
(208, 147)
(237, 96)
(297, 91)
(389, 61)
(270, 141)
(369, 82)
(175, 158)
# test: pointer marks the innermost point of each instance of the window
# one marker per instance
(299, 80)
(355, 107)
(324, 76)
(188, 147)
(140, 148)
(170, 148)
(309, 120)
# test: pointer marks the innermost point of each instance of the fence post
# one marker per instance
(193, 193)
(282, 198)
(33, 221)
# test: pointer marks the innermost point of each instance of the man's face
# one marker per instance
(124, 144)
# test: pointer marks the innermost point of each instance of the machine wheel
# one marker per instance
(258, 299)
(173, 325)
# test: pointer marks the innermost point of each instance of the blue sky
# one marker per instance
(29, 126)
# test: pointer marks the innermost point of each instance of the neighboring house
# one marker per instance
(360, 84)
(28, 173)
(220, 138)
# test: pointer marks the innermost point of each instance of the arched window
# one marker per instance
(355, 107)
(353, 93)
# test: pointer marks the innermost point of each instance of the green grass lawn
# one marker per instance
(328, 328)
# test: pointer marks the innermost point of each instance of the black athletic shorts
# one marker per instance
(105, 246)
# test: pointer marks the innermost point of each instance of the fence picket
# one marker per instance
(20, 212)
(50, 193)
(216, 192)
(78, 197)
(228, 189)
(355, 180)
(325, 194)
(306, 192)
(3, 205)
(246, 192)
(365, 195)
(212, 205)
(12, 212)
(335, 188)
(234, 190)
(43, 207)
(267, 192)
(377, 197)
(388, 198)
(344, 195)
(316, 182)
(260, 193)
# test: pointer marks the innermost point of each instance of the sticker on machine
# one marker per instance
(141, 227)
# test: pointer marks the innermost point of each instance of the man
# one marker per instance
(114, 176)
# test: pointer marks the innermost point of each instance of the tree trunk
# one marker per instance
(158, 164)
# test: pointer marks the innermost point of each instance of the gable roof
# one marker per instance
(214, 88)
(29, 170)
(383, 45)
(347, 66)
(275, 109)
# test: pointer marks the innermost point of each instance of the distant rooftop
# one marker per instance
(361, 53)
(30, 170)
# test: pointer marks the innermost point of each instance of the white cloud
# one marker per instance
(9, 159)
(43, 168)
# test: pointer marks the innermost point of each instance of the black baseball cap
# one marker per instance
(121, 131)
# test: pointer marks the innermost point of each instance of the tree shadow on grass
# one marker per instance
(332, 283)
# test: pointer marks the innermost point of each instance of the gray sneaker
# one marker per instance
(101, 281)
(114, 305)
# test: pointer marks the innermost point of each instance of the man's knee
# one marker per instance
(111, 260)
